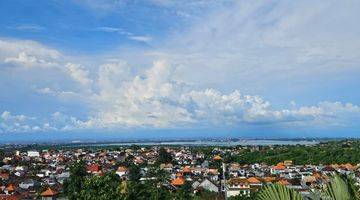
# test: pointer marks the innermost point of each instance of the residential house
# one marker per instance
(237, 186)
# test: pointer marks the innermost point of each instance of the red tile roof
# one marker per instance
(217, 157)
(49, 193)
(8, 197)
(178, 182)
(93, 168)
(253, 180)
(10, 188)
(279, 167)
(187, 169)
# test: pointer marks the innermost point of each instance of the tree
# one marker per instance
(164, 156)
(208, 195)
(73, 185)
(105, 187)
(278, 192)
(160, 193)
(2, 156)
(160, 175)
(184, 191)
(145, 191)
(110, 187)
(134, 173)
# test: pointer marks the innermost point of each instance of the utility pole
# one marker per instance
(224, 179)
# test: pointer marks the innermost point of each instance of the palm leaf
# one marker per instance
(339, 189)
(278, 192)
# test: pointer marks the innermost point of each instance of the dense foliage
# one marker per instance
(81, 185)
(324, 153)
(164, 156)
(74, 185)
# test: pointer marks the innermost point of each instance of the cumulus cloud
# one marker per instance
(32, 55)
(140, 101)
(78, 73)
(28, 60)
(16, 123)
(56, 122)
(153, 98)
(12, 48)
(64, 122)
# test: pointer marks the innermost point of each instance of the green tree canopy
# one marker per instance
(74, 184)
(164, 156)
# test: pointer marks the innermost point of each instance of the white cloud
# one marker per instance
(56, 122)
(56, 93)
(109, 29)
(103, 6)
(78, 73)
(111, 76)
(139, 101)
(24, 54)
(113, 30)
(140, 38)
(27, 60)
(266, 43)
(45, 91)
(15, 123)
(64, 122)
(27, 52)
(153, 98)
(28, 27)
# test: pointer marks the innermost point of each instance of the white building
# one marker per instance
(33, 154)
(121, 171)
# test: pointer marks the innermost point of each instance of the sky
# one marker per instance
(74, 69)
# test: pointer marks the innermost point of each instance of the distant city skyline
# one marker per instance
(160, 68)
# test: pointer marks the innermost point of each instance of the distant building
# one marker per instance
(121, 171)
(93, 168)
(33, 154)
(278, 169)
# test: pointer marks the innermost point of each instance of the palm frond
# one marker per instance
(278, 192)
(339, 189)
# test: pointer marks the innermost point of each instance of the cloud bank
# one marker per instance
(120, 98)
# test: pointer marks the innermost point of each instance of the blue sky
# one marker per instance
(162, 67)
